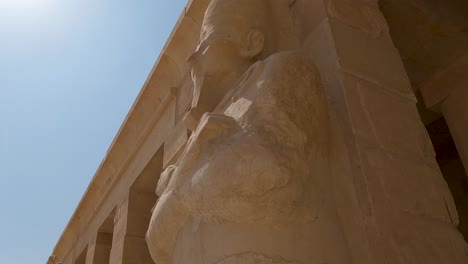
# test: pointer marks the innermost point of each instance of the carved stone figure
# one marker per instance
(251, 185)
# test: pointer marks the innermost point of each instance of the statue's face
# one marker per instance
(222, 55)
(216, 55)
(229, 43)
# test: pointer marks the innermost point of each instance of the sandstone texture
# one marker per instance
(290, 132)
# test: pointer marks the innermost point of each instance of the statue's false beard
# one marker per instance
(207, 93)
(198, 83)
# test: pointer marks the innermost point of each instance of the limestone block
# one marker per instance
(307, 15)
(363, 15)
(375, 60)
(443, 84)
(386, 119)
(415, 239)
(407, 185)
(350, 191)
(412, 210)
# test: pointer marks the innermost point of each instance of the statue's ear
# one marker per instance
(254, 44)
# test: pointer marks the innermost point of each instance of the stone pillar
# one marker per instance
(120, 229)
(91, 250)
(99, 249)
(81, 258)
(447, 92)
(390, 194)
(131, 222)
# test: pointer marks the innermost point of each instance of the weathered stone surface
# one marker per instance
(363, 15)
(430, 35)
(424, 193)
(375, 111)
(352, 45)
(368, 112)
(444, 83)
(275, 185)
(287, 162)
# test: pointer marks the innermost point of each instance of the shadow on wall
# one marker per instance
(452, 168)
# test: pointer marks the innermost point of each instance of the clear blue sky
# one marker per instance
(69, 72)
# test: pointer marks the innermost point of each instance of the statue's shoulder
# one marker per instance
(286, 74)
(289, 68)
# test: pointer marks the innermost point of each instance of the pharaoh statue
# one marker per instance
(252, 183)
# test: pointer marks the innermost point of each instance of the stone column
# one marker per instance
(390, 194)
(120, 229)
(81, 257)
(91, 249)
(99, 249)
(447, 92)
(131, 223)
